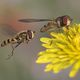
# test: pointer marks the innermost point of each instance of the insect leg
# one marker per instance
(67, 27)
(13, 48)
(27, 41)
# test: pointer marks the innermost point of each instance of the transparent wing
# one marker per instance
(7, 29)
(33, 20)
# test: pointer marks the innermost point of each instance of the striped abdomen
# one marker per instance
(11, 41)
(49, 26)
(20, 37)
(8, 41)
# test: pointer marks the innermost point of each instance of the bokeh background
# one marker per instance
(22, 65)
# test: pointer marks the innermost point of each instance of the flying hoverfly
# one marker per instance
(23, 36)
(58, 22)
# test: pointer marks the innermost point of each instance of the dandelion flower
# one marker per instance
(62, 50)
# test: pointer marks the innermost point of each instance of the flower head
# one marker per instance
(62, 50)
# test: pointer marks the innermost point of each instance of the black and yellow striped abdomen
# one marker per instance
(8, 41)
(20, 37)
(17, 38)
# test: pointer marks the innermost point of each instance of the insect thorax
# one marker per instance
(25, 35)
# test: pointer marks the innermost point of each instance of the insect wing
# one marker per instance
(33, 20)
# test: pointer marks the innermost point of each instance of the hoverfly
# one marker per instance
(23, 36)
(58, 22)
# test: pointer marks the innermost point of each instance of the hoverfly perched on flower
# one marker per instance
(58, 22)
(23, 36)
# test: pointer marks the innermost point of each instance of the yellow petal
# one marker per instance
(47, 45)
(45, 40)
(49, 67)
(75, 69)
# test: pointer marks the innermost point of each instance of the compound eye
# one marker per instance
(65, 19)
(29, 34)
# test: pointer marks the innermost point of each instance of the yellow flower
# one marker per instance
(62, 50)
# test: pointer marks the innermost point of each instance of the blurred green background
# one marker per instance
(22, 65)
